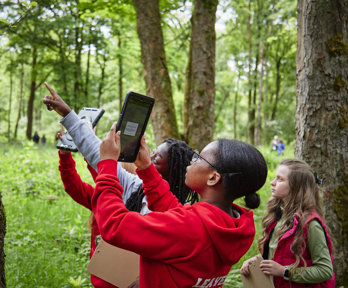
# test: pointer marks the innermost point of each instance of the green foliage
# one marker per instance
(47, 242)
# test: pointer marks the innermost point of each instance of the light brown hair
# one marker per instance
(304, 196)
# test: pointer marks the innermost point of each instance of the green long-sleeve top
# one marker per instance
(322, 269)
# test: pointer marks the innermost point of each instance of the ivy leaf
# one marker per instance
(33, 4)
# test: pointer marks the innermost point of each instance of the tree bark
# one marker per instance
(278, 81)
(120, 70)
(10, 104)
(321, 119)
(156, 72)
(87, 69)
(201, 70)
(259, 99)
(20, 99)
(102, 66)
(2, 237)
(32, 94)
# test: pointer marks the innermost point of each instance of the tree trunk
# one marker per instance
(259, 100)
(2, 237)
(62, 64)
(278, 81)
(87, 70)
(120, 70)
(10, 105)
(20, 99)
(235, 104)
(201, 92)
(32, 94)
(251, 111)
(187, 98)
(156, 72)
(77, 66)
(102, 77)
(322, 121)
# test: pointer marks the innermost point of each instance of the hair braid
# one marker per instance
(179, 157)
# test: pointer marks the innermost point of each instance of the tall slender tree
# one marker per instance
(322, 105)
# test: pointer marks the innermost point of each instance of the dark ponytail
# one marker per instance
(252, 200)
(243, 169)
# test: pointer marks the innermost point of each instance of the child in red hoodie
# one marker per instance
(183, 245)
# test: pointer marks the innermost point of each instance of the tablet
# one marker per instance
(89, 114)
(132, 123)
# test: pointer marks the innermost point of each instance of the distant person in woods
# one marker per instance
(274, 143)
(295, 243)
(43, 139)
(36, 137)
(280, 148)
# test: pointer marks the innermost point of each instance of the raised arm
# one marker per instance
(86, 141)
(78, 190)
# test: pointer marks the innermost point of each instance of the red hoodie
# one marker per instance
(186, 246)
(81, 192)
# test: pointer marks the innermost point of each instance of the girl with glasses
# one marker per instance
(183, 245)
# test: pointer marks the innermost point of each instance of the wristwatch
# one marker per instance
(286, 274)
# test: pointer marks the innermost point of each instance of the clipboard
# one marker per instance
(257, 279)
(115, 265)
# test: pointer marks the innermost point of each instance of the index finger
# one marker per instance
(53, 93)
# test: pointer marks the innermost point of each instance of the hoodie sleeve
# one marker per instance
(157, 190)
(94, 173)
(78, 190)
(88, 145)
(84, 137)
(154, 235)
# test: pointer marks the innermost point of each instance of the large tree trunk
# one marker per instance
(2, 237)
(156, 72)
(32, 94)
(201, 91)
(322, 121)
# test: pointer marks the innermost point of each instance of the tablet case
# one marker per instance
(115, 265)
(257, 279)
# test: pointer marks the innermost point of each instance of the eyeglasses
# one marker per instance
(196, 156)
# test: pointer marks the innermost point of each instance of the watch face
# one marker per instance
(286, 273)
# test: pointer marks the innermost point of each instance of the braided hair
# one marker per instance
(179, 157)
